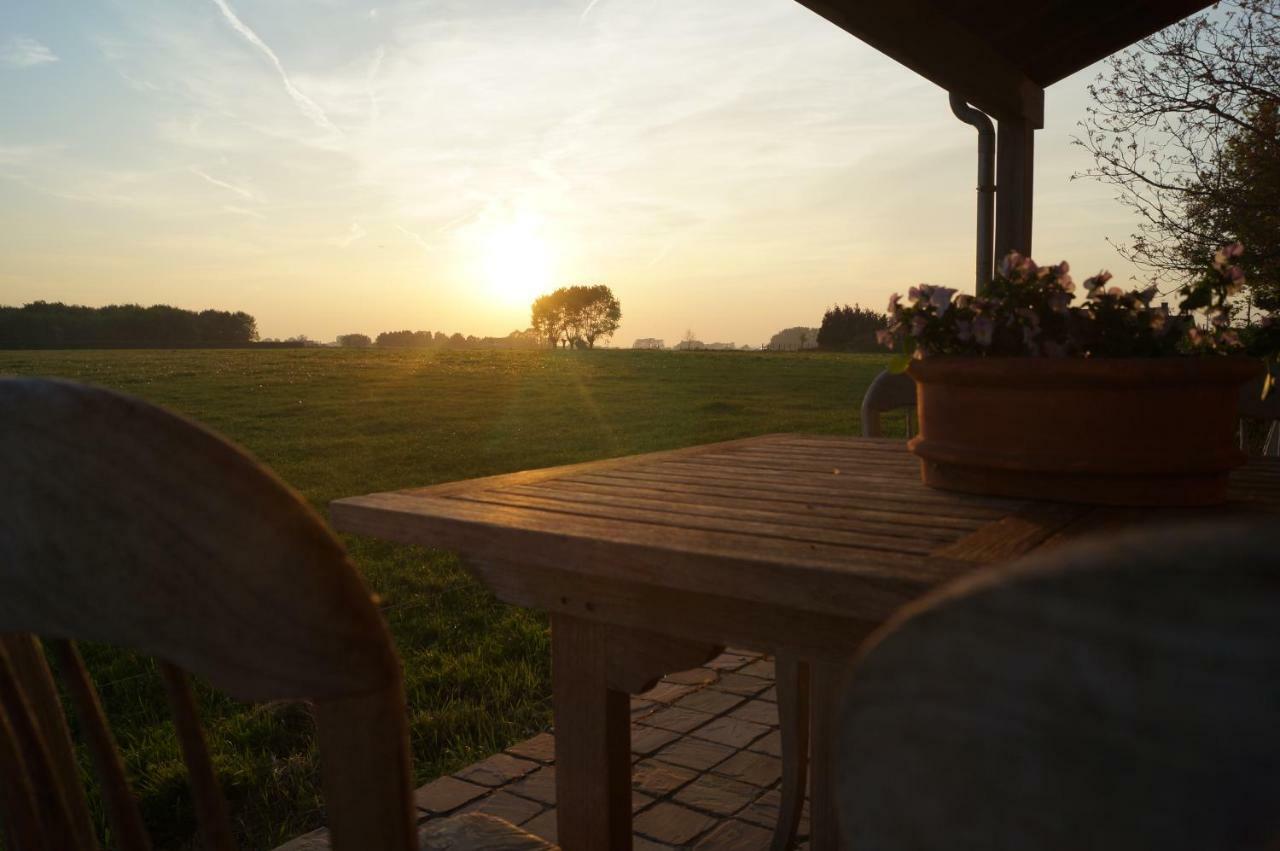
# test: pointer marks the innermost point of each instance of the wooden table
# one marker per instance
(797, 545)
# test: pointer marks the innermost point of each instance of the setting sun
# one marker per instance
(517, 261)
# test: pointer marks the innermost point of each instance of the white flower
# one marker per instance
(940, 298)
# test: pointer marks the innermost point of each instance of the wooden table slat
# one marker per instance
(683, 520)
(800, 514)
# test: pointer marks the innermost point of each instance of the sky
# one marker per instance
(731, 167)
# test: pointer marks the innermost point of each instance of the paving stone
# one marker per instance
(729, 662)
(735, 835)
(665, 692)
(763, 810)
(646, 740)
(658, 778)
(672, 823)
(731, 731)
(695, 753)
(741, 684)
(696, 677)
(759, 711)
(543, 825)
(678, 719)
(770, 744)
(770, 694)
(755, 768)
(710, 700)
(446, 794)
(738, 651)
(639, 801)
(538, 786)
(541, 748)
(640, 843)
(497, 770)
(316, 840)
(505, 806)
(641, 708)
(716, 794)
(759, 668)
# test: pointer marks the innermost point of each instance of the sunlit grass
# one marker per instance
(334, 423)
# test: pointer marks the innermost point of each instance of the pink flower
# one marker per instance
(963, 301)
(1013, 260)
(917, 326)
(964, 330)
(1235, 279)
(1059, 302)
(918, 295)
(893, 303)
(885, 338)
(1092, 284)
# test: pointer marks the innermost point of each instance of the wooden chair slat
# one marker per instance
(206, 793)
(19, 818)
(121, 806)
(55, 819)
(364, 763)
(32, 669)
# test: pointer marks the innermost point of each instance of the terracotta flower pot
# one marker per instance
(1123, 431)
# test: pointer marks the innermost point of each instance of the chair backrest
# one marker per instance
(1117, 694)
(125, 524)
(888, 392)
(1254, 407)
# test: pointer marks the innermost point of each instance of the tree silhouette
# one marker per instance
(576, 316)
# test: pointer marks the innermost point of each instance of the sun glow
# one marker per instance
(517, 261)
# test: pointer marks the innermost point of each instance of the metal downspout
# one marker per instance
(986, 185)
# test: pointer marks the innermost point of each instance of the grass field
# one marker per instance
(334, 423)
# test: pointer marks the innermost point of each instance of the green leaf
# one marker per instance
(898, 364)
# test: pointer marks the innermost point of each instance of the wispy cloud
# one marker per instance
(355, 233)
(306, 105)
(222, 184)
(22, 51)
(422, 243)
(587, 11)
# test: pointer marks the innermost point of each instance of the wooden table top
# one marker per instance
(836, 525)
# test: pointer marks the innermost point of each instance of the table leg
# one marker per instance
(593, 744)
(824, 681)
(793, 718)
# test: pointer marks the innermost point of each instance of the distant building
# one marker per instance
(720, 347)
(648, 343)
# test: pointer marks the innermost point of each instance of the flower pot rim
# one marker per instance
(1086, 371)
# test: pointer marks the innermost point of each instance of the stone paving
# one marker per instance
(706, 759)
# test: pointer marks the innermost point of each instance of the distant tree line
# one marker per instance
(52, 325)
(851, 329)
(527, 339)
(577, 316)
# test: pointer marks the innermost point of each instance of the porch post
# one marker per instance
(1015, 159)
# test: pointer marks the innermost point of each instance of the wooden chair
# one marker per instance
(1117, 694)
(888, 392)
(1253, 406)
(125, 524)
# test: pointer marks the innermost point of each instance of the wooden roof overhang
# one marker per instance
(1000, 55)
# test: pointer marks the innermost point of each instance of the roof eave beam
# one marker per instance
(919, 36)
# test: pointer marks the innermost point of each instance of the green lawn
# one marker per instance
(334, 423)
